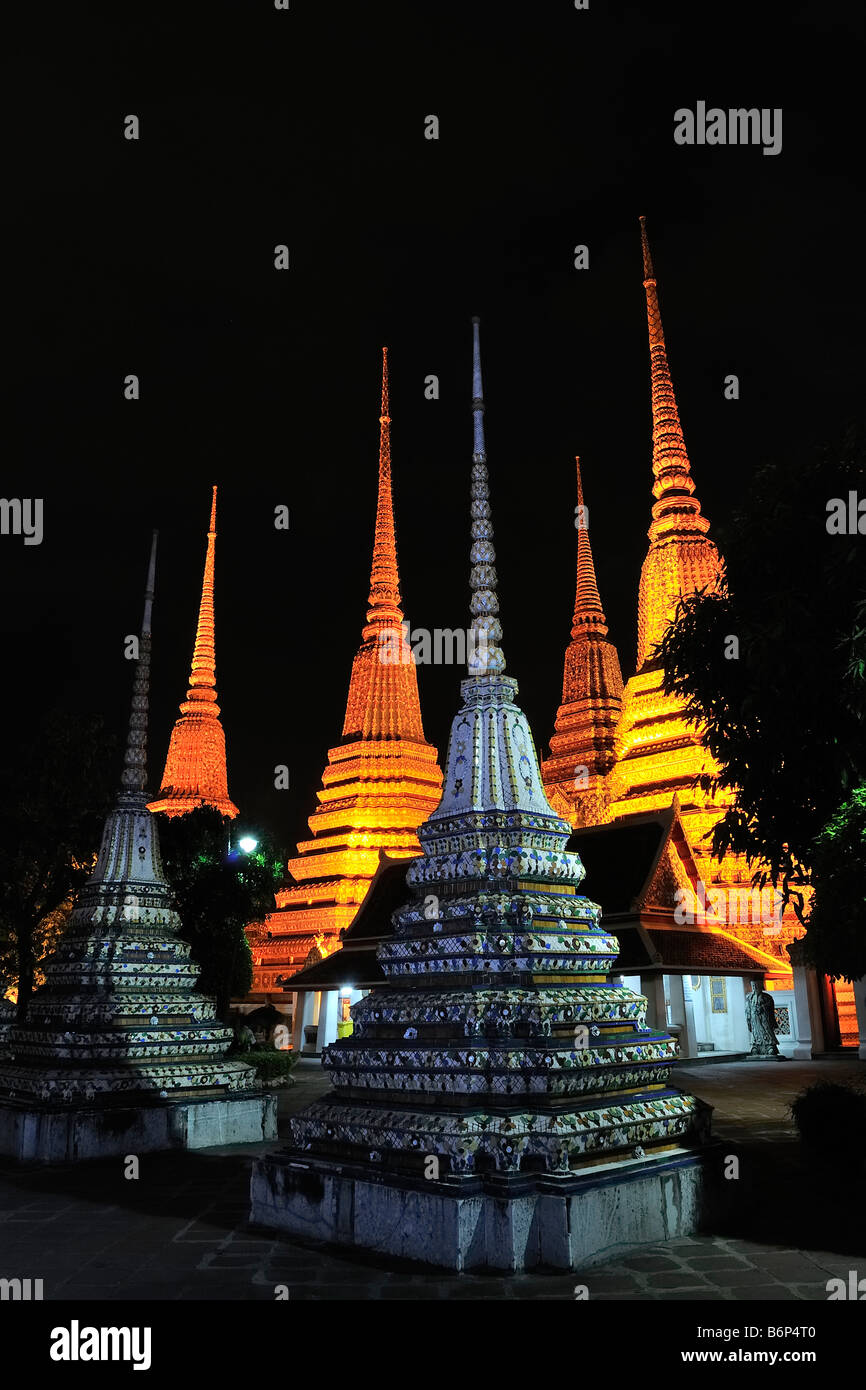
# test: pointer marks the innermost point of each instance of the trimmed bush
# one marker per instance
(830, 1119)
(270, 1063)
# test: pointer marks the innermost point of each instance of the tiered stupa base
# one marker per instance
(511, 1223)
(45, 1133)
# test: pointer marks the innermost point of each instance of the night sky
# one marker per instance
(306, 127)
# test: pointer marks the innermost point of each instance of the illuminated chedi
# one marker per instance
(582, 750)
(658, 752)
(195, 769)
(499, 1064)
(380, 782)
(120, 1052)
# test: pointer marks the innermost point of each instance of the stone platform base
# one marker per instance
(34, 1133)
(513, 1224)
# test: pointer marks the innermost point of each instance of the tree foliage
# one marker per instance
(55, 789)
(218, 893)
(785, 718)
(837, 935)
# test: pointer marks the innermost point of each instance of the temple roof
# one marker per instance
(620, 860)
(623, 860)
(688, 952)
(360, 969)
(355, 962)
(386, 893)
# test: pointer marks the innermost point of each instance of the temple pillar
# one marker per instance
(305, 1004)
(683, 1014)
(328, 1015)
(809, 1021)
(652, 987)
(860, 1001)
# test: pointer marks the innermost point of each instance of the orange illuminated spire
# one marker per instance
(587, 603)
(195, 769)
(582, 750)
(660, 758)
(680, 559)
(383, 691)
(380, 783)
(384, 598)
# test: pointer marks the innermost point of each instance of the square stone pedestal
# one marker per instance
(35, 1133)
(515, 1223)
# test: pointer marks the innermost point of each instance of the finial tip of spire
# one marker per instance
(384, 413)
(475, 318)
(648, 270)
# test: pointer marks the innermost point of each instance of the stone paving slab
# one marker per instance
(180, 1231)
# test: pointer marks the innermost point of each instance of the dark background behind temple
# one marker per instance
(306, 127)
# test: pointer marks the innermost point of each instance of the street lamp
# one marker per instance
(247, 844)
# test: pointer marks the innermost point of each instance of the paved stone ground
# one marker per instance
(180, 1231)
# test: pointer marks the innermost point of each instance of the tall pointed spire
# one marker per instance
(588, 611)
(384, 580)
(582, 750)
(661, 758)
(380, 782)
(195, 769)
(681, 559)
(383, 691)
(484, 656)
(134, 775)
(492, 762)
(659, 749)
(129, 821)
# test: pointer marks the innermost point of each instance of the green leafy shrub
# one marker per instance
(270, 1063)
(830, 1119)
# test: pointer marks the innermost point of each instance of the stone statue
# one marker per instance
(761, 1021)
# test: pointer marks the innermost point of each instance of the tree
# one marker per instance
(784, 718)
(55, 790)
(218, 893)
(836, 936)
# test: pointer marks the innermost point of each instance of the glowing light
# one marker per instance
(247, 844)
